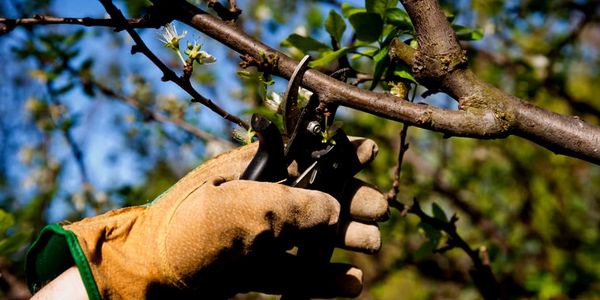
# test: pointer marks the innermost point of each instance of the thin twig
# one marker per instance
(224, 13)
(119, 24)
(168, 74)
(481, 273)
(393, 193)
(68, 135)
(10, 24)
(154, 115)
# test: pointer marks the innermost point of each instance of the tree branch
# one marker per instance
(224, 13)
(89, 81)
(481, 273)
(439, 60)
(182, 124)
(10, 24)
(402, 148)
(393, 192)
(485, 112)
(460, 123)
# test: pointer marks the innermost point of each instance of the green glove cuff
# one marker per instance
(56, 250)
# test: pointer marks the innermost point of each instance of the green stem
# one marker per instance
(180, 56)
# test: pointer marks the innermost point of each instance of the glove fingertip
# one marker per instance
(351, 283)
(367, 203)
(361, 237)
(366, 149)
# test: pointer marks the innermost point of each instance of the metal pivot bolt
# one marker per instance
(314, 127)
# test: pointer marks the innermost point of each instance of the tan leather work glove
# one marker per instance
(213, 236)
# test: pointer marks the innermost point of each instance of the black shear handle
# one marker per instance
(268, 163)
(338, 163)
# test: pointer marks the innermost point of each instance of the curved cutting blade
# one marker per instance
(291, 111)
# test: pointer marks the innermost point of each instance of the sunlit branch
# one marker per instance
(440, 63)
(484, 111)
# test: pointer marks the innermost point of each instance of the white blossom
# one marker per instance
(273, 101)
(170, 37)
(304, 94)
(202, 57)
(206, 58)
(243, 136)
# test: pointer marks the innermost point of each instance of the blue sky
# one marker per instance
(96, 132)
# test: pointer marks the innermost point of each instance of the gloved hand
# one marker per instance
(213, 235)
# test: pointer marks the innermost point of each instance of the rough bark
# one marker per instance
(485, 112)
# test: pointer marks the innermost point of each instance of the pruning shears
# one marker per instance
(325, 160)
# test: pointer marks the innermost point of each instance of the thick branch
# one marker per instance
(561, 134)
(434, 34)
(486, 112)
(459, 123)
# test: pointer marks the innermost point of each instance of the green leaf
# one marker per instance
(329, 57)
(438, 212)
(369, 53)
(74, 38)
(403, 71)
(11, 244)
(304, 44)
(368, 26)
(335, 25)
(413, 44)
(244, 74)
(433, 234)
(314, 18)
(464, 33)
(399, 18)
(348, 10)
(424, 251)
(7, 220)
(380, 67)
(272, 116)
(379, 6)
(380, 54)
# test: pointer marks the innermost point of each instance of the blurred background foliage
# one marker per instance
(85, 127)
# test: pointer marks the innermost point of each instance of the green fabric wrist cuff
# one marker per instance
(56, 250)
